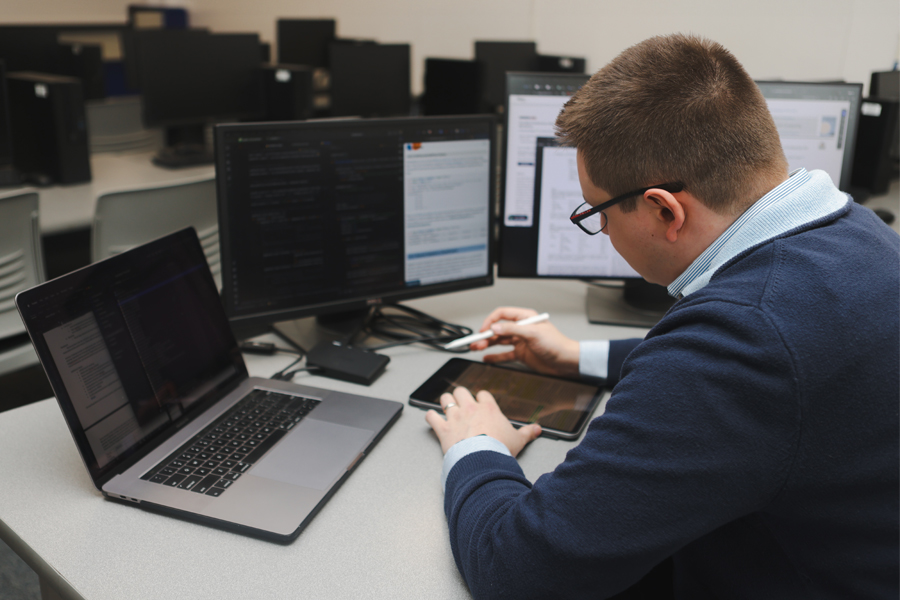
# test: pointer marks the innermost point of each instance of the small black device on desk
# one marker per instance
(338, 361)
(561, 406)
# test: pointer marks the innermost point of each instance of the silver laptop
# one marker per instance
(152, 384)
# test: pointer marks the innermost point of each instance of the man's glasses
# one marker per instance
(592, 220)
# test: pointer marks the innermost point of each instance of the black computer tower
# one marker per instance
(873, 163)
(49, 128)
(287, 92)
(85, 61)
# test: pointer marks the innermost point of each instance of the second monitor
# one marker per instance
(322, 217)
(540, 190)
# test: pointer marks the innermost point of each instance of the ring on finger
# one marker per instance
(450, 405)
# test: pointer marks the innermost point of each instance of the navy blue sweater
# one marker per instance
(753, 436)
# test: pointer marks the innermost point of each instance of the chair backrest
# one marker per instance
(21, 260)
(126, 219)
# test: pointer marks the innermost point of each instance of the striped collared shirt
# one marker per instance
(802, 198)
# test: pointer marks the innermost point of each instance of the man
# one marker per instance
(752, 436)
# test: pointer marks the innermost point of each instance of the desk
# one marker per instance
(68, 207)
(382, 535)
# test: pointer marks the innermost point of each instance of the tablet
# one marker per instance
(562, 407)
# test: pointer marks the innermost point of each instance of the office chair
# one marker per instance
(21, 267)
(128, 218)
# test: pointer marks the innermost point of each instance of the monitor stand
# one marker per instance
(306, 333)
(636, 304)
(185, 147)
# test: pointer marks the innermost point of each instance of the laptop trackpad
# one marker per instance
(314, 454)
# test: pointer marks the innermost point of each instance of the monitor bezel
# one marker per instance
(249, 324)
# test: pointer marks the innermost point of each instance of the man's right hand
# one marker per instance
(540, 346)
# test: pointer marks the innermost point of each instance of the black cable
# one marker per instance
(280, 375)
(405, 325)
(290, 374)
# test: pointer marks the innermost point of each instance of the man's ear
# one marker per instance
(667, 210)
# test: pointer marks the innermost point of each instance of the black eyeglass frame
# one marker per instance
(577, 217)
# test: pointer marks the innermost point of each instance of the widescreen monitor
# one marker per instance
(817, 123)
(325, 217)
(370, 80)
(189, 78)
(305, 41)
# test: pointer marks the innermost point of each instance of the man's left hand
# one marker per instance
(468, 416)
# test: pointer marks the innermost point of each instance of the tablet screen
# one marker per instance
(560, 405)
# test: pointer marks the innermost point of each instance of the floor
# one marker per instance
(17, 580)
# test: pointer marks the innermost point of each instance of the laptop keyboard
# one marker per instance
(217, 456)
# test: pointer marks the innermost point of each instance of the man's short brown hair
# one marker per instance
(676, 108)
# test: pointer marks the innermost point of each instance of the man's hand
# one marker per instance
(468, 416)
(540, 346)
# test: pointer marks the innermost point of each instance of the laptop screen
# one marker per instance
(132, 345)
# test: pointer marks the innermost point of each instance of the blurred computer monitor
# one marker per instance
(59, 50)
(191, 78)
(305, 41)
(370, 80)
(498, 58)
(817, 123)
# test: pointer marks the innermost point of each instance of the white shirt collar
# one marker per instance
(802, 198)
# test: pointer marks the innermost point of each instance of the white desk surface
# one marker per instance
(67, 207)
(382, 535)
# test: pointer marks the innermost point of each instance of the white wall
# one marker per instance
(64, 11)
(787, 39)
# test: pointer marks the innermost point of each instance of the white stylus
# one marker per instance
(465, 341)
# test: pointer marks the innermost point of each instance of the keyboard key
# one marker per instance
(174, 480)
(189, 482)
(205, 485)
